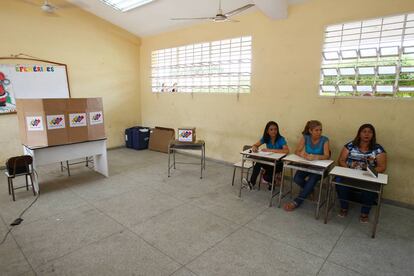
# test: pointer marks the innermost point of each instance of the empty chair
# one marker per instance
(247, 165)
(19, 166)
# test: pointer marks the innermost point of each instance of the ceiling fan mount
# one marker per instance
(220, 16)
(47, 7)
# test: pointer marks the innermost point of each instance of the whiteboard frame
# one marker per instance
(16, 57)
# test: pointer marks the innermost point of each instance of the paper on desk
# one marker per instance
(264, 153)
(297, 158)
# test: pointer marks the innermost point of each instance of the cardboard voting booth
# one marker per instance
(49, 122)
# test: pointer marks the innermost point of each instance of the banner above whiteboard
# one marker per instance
(31, 81)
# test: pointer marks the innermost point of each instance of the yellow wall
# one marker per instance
(285, 78)
(103, 61)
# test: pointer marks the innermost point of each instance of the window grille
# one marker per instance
(216, 67)
(369, 58)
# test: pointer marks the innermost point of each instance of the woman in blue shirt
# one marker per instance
(274, 143)
(312, 146)
(356, 154)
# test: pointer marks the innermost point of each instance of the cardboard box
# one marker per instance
(48, 122)
(187, 134)
(160, 138)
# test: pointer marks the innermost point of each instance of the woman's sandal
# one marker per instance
(343, 213)
(290, 206)
(363, 218)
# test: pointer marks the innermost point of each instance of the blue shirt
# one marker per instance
(279, 143)
(317, 148)
(358, 159)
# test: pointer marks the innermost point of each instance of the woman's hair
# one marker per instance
(266, 136)
(310, 125)
(357, 139)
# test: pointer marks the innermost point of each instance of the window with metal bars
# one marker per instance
(369, 58)
(213, 67)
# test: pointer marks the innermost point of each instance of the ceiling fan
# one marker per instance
(47, 7)
(220, 16)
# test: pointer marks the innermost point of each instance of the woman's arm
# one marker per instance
(381, 162)
(256, 146)
(342, 157)
(300, 150)
(284, 150)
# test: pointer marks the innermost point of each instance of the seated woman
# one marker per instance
(312, 146)
(275, 142)
(357, 154)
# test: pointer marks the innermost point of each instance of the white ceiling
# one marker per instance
(154, 18)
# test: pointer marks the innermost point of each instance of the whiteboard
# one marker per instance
(37, 81)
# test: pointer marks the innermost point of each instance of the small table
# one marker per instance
(361, 180)
(55, 154)
(262, 157)
(177, 145)
(295, 162)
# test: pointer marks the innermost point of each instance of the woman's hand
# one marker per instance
(255, 148)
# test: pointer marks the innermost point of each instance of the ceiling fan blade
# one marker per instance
(193, 18)
(239, 10)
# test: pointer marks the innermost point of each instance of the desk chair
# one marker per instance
(19, 166)
(247, 165)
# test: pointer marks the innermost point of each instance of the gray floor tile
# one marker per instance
(184, 232)
(300, 229)
(387, 254)
(50, 238)
(137, 206)
(250, 253)
(230, 206)
(132, 256)
(396, 221)
(54, 198)
(12, 261)
(105, 188)
(184, 272)
(329, 269)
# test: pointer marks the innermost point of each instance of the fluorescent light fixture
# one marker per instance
(125, 5)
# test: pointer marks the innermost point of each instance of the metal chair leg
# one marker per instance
(31, 180)
(67, 164)
(234, 174)
(27, 182)
(12, 189)
(8, 185)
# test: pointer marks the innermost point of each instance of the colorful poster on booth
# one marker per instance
(96, 118)
(55, 121)
(77, 119)
(34, 123)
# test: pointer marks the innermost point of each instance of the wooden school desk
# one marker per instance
(360, 180)
(177, 145)
(295, 162)
(267, 158)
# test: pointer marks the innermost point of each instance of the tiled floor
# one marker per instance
(140, 222)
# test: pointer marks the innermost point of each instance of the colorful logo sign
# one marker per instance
(185, 135)
(96, 118)
(34, 123)
(77, 120)
(55, 121)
